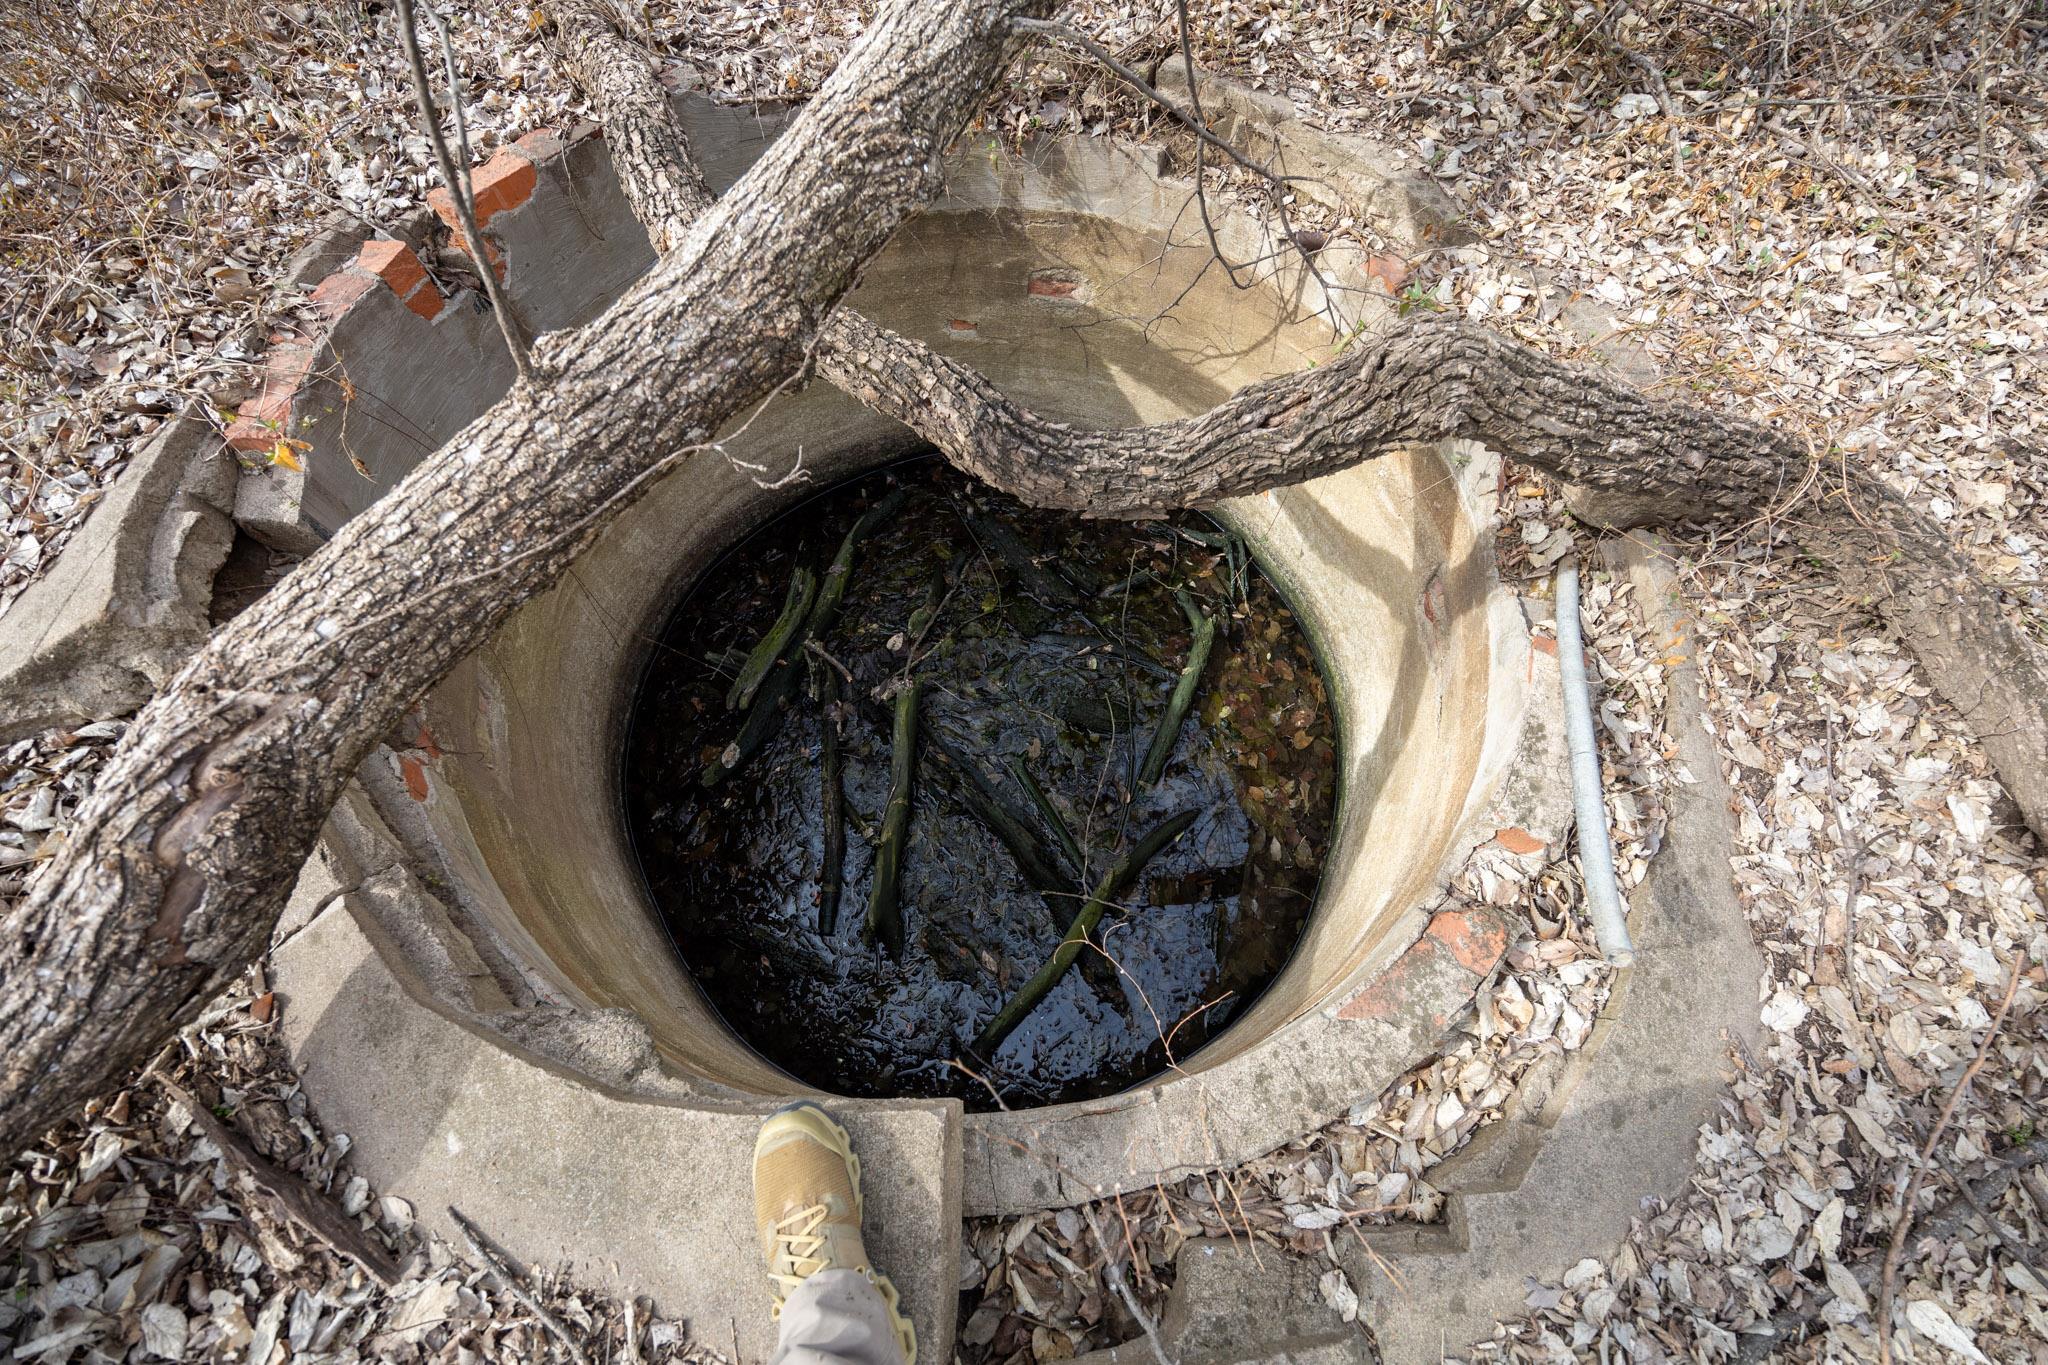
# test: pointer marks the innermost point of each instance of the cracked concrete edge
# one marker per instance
(569, 246)
(127, 601)
(387, 781)
(1630, 1105)
(456, 958)
(644, 1195)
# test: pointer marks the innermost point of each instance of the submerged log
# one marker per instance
(766, 716)
(833, 591)
(982, 799)
(885, 908)
(778, 642)
(1112, 885)
(1050, 813)
(832, 794)
(1037, 580)
(1203, 627)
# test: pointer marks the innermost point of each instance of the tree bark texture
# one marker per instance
(1429, 378)
(181, 858)
(649, 148)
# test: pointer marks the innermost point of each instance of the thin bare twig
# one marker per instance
(1904, 1225)
(1113, 1276)
(308, 1208)
(510, 1277)
(457, 182)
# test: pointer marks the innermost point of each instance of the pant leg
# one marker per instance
(836, 1317)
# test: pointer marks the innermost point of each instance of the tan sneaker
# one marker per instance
(807, 1208)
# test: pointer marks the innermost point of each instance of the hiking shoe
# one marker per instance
(807, 1208)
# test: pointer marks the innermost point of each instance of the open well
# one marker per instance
(1064, 279)
(907, 742)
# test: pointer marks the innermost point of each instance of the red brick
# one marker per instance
(394, 263)
(1474, 939)
(1544, 645)
(415, 774)
(1384, 998)
(1518, 841)
(267, 417)
(1390, 271)
(542, 144)
(1050, 287)
(339, 291)
(1470, 940)
(425, 300)
(504, 182)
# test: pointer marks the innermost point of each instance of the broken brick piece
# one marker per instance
(394, 263)
(266, 418)
(1475, 939)
(339, 291)
(1439, 972)
(542, 144)
(1051, 286)
(504, 182)
(415, 774)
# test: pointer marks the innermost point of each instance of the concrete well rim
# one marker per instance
(1075, 198)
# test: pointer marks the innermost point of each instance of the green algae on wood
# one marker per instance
(1113, 884)
(832, 801)
(1203, 628)
(796, 607)
(885, 906)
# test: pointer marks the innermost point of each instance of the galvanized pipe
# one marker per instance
(1596, 853)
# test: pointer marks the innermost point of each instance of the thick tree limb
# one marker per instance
(1427, 379)
(648, 146)
(1434, 377)
(181, 858)
(179, 861)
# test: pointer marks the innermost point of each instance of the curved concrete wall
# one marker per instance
(1063, 310)
(1079, 281)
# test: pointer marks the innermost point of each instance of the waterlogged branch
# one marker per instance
(885, 905)
(1112, 886)
(456, 178)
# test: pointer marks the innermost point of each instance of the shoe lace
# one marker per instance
(798, 1240)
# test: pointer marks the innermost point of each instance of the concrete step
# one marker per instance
(442, 1113)
(1236, 1304)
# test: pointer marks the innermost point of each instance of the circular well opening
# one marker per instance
(1085, 705)
(1381, 562)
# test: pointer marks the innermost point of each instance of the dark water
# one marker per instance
(1039, 640)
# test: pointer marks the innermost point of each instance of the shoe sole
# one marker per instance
(842, 1143)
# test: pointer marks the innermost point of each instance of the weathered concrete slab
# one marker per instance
(127, 600)
(391, 373)
(1564, 1175)
(1235, 1304)
(643, 1196)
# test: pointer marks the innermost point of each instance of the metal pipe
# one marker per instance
(1589, 802)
